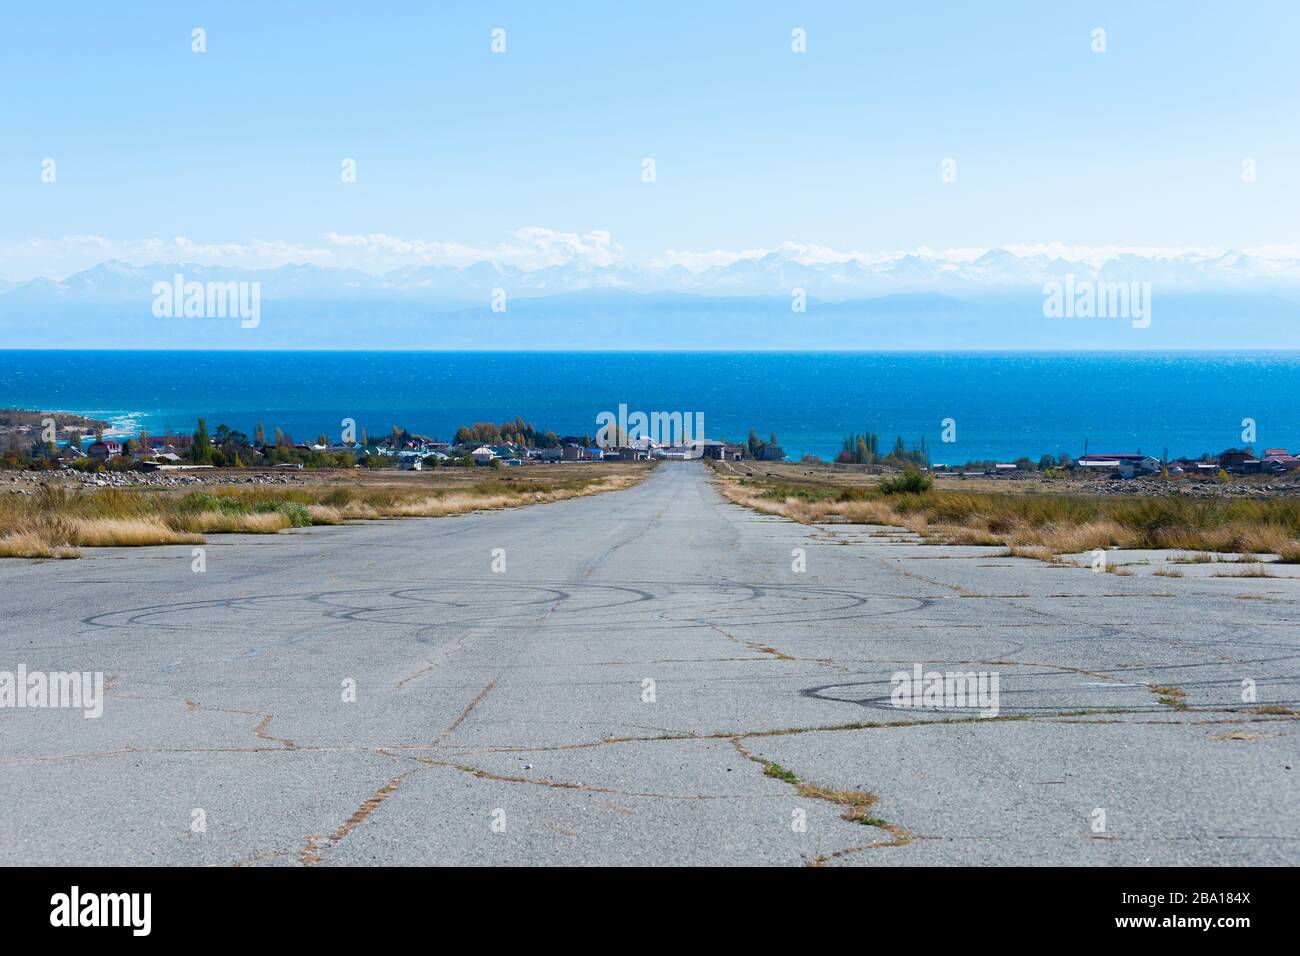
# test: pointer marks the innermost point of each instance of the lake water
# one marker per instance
(1004, 405)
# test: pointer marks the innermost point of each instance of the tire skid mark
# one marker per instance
(587, 605)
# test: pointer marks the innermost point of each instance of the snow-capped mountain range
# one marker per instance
(996, 272)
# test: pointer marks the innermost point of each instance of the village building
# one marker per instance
(103, 450)
(1125, 465)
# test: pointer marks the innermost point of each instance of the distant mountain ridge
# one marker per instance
(992, 301)
(996, 271)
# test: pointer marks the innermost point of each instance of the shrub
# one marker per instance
(911, 481)
(298, 514)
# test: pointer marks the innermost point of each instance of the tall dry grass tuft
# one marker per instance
(221, 522)
(29, 544)
(129, 533)
(324, 514)
(1085, 537)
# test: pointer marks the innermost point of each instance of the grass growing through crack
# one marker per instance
(775, 770)
(1174, 697)
(856, 803)
(1258, 571)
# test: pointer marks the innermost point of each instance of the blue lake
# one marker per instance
(1004, 405)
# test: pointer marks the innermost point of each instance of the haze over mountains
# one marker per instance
(992, 301)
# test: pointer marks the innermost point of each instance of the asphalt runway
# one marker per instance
(643, 677)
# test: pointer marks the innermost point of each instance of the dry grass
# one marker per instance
(1055, 523)
(221, 522)
(1174, 697)
(1036, 552)
(855, 803)
(55, 521)
(324, 514)
(128, 533)
(1272, 710)
(955, 534)
(1288, 552)
(1255, 571)
(29, 544)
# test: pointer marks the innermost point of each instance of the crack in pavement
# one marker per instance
(400, 750)
(856, 804)
(312, 848)
(460, 718)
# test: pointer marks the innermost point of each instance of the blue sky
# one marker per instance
(754, 145)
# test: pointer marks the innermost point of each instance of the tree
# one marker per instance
(259, 436)
(201, 446)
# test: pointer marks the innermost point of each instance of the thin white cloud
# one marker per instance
(62, 256)
(532, 247)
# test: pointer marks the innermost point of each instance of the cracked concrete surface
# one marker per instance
(517, 698)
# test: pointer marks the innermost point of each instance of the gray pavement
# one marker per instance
(507, 717)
